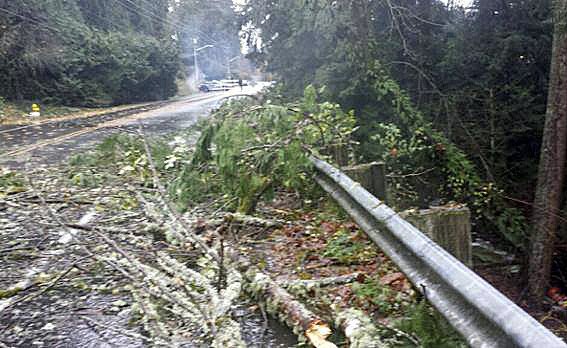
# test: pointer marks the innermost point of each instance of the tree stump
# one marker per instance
(448, 226)
(372, 176)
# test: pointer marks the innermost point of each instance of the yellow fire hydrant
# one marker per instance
(35, 110)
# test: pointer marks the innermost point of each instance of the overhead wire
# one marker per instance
(63, 23)
(201, 33)
(141, 11)
(29, 19)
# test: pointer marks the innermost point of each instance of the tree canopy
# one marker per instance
(93, 52)
(461, 90)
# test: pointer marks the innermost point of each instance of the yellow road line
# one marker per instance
(108, 124)
(116, 109)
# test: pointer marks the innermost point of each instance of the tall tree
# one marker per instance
(80, 52)
(552, 162)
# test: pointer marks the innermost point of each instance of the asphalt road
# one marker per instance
(51, 142)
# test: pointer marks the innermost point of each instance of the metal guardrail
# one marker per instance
(479, 312)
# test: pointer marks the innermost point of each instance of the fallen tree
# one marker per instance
(359, 329)
(283, 306)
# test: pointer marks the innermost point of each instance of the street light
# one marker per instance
(195, 51)
(229, 73)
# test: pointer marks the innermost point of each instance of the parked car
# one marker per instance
(222, 85)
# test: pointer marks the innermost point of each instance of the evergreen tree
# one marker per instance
(80, 52)
(552, 163)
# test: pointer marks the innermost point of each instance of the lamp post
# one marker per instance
(228, 71)
(195, 51)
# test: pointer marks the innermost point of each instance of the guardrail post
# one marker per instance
(339, 154)
(480, 313)
(450, 227)
(372, 176)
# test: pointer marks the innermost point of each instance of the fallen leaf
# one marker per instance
(390, 278)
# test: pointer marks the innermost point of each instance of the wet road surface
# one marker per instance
(55, 141)
(60, 322)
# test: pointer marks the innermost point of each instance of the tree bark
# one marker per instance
(552, 161)
(359, 329)
(281, 304)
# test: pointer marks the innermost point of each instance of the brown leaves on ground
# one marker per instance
(396, 281)
(300, 250)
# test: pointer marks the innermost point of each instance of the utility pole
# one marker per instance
(196, 62)
(228, 71)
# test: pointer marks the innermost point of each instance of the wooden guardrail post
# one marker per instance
(372, 176)
(339, 154)
(448, 226)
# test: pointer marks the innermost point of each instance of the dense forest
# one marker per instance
(478, 74)
(84, 52)
(456, 94)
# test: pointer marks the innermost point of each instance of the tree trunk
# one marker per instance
(552, 161)
(280, 303)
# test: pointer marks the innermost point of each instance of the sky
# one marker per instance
(464, 3)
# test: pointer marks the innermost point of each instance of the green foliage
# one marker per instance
(346, 248)
(123, 152)
(10, 182)
(190, 186)
(373, 293)
(126, 154)
(267, 149)
(203, 153)
(429, 327)
(70, 55)
(444, 170)
(252, 150)
(87, 179)
(119, 68)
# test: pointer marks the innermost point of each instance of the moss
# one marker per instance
(7, 293)
(430, 328)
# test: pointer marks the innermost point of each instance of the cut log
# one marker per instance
(359, 329)
(281, 304)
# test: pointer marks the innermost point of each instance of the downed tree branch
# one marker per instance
(312, 283)
(253, 220)
(44, 290)
(228, 335)
(242, 219)
(359, 329)
(281, 304)
(169, 206)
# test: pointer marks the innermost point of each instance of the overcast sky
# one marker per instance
(464, 3)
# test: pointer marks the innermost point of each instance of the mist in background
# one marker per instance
(211, 29)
